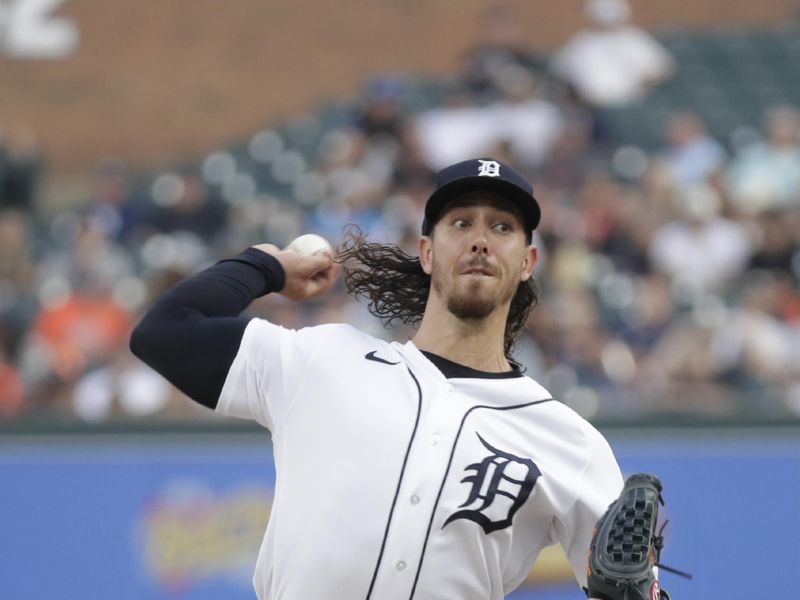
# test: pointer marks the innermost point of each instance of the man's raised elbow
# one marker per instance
(141, 340)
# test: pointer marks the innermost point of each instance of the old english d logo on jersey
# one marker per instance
(489, 168)
(501, 483)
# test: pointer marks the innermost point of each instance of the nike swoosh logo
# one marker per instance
(371, 356)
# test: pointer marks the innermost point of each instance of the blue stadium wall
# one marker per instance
(180, 515)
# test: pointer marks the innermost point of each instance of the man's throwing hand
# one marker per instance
(307, 276)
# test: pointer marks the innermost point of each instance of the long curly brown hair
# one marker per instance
(397, 288)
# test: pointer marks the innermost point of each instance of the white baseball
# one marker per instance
(309, 244)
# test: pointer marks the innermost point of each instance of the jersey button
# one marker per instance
(414, 499)
(401, 565)
(435, 439)
(449, 387)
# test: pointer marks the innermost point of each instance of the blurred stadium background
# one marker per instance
(140, 142)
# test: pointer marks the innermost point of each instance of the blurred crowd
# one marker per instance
(669, 277)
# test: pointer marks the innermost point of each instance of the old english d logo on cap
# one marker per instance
(482, 174)
(489, 168)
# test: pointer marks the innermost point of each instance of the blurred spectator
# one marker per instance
(17, 280)
(777, 243)
(682, 371)
(381, 118)
(187, 205)
(411, 170)
(501, 47)
(522, 122)
(81, 321)
(356, 175)
(599, 197)
(586, 362)
(700, 250)
(124, 388)
(612, 62)
(12, 389)
(455, 131)
(635, 222)
(20, 167)
(692, 155)
(16, 258)
(767, 175)
(651, 314)
(754, 344)
(116, 385)
(523, 118)
(112, 206)
(571, 156)
(73, 335)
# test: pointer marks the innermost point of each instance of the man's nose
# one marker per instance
(480, 244)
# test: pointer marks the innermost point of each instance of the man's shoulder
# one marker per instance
(321, 329)
(335, 335)
(329, 343)
(569, 417)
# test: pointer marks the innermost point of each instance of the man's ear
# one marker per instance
(529, 262)
(425, 253)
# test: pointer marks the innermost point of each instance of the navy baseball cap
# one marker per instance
(482, 174)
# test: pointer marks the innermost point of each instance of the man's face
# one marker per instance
(477, 255)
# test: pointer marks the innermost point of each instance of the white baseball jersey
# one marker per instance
(394, 482)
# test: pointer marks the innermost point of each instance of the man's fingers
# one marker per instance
(323, 281)
(307, 276)
(310, 266)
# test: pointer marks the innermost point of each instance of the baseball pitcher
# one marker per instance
(425, 470)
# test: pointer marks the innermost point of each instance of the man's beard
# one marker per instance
(470, 304)
(473, 303)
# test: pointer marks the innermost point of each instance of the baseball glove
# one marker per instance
(625, 545)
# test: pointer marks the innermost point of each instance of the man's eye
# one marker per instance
(504, 228)
(460, 223)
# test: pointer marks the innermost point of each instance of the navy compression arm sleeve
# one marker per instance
(192, 333)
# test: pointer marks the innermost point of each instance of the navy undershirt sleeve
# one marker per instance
(192, 332)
